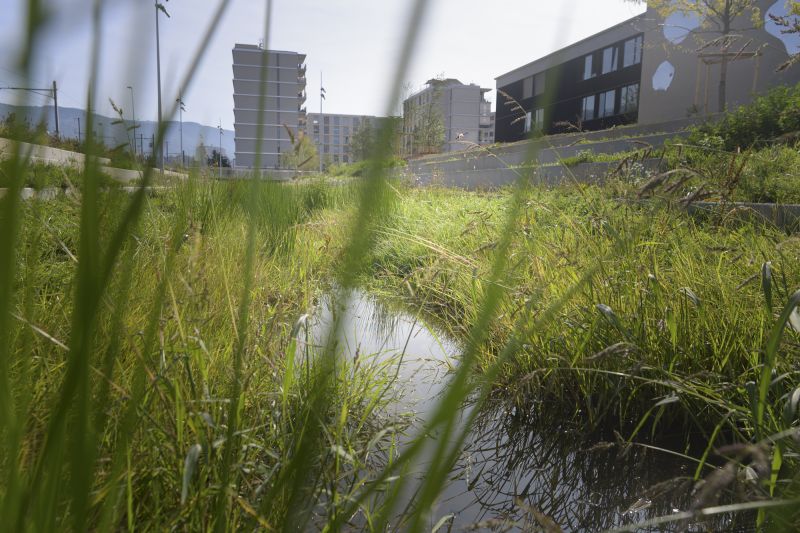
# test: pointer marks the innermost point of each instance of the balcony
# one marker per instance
(301, 70)
(301, 109)
(302, 96)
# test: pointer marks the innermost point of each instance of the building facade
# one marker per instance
(646, 70)
(332, 134)
(273, 81)
(447, 116)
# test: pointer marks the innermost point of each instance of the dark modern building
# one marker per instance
(646, 70)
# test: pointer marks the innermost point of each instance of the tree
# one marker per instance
(214, 160)
(424, 125)
(201, 153)
(303, 155)
(719, 19)
(362, 143)
(790, 24)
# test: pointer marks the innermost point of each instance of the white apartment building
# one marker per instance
(282, 84)
(332, 134)
(465, 115)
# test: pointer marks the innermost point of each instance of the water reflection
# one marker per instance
(517, 468)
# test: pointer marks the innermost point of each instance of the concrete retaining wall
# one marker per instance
(786, 217)
(500, 177)
(45, 154)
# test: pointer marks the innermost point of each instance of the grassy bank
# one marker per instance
(151, 431)
(673, 306)
(663, 325)
(670, 333)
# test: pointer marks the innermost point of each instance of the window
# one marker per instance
(606, 107)
(538, 84)
(587, 68)
(629, 99)
(633, 52)
(527, 87)
(588, 108)
(538, 119)
(610, 59)
(528, 118)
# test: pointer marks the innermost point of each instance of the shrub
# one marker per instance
(769, 117)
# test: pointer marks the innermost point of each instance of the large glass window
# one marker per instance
(538, 119)
(534, 120)
(587, 67)
(588, 108)
(629, 98)
(610, 59)
(633, 51)
(538, 84)
(606, 107)
(527, 87)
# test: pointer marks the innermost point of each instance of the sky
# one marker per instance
(353, 44)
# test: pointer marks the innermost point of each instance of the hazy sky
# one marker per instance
(354, 43)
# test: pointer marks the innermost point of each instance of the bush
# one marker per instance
(769, 117)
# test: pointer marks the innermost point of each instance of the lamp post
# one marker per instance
(219, 163)
(160, 155)
(133, 114)
(181, 109)
(79, 129)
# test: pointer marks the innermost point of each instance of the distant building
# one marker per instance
(461, 110)
(645, 70)
(336, 133)
(284, 84)
(486, 131)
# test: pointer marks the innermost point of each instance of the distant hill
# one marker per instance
(116, 134)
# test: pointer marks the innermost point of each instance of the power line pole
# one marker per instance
(79, 129)
(53, 93)
(321, 121)
(133, 113)
(55, 104)
(160, 158)
(181, 109)
(220, 148)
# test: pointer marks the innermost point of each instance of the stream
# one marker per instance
(512, 466)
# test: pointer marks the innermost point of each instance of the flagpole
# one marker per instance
(321, 122)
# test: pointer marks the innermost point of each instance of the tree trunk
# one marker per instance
(723, 83)
(723, 68)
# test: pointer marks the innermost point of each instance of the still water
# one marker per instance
(511, 467)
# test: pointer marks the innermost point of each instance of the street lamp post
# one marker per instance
(158, 81)
(219, 163)
(133, 113)
(181, 109)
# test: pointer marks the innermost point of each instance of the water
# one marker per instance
(513, 466)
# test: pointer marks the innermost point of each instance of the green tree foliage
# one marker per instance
(362, 143)
(775, 115)
(214, 160)
(427, 136)
(723, 22)
(790, 25)
(303, 155)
